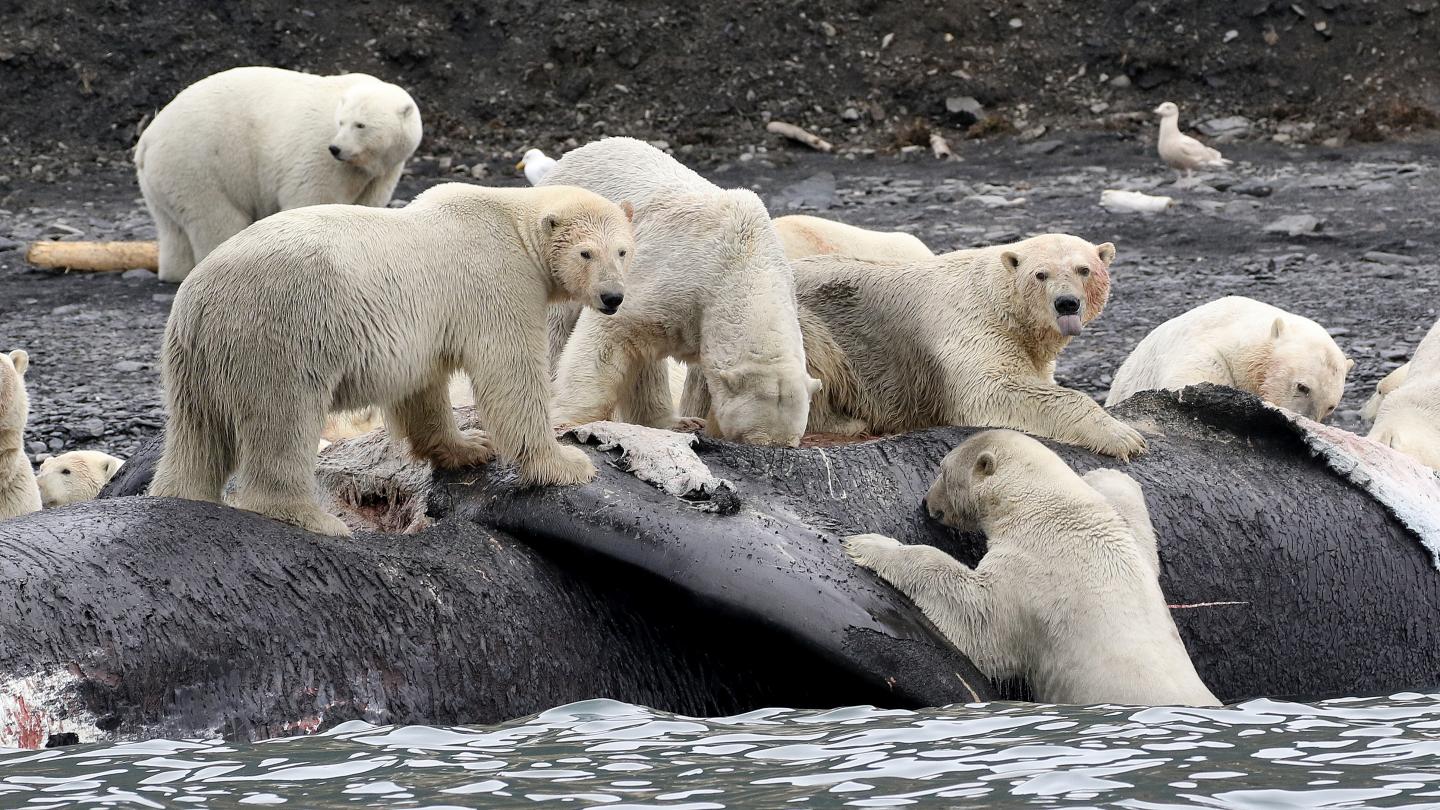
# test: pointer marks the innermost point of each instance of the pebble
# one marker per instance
(92, 428)
(1042, 147)
(1381, 257)
(139, 274)
(7, 243)
(162, 298)
(1252, 188)
(36, 448)
(129, 365)
(1229, 126)
(1295, 225)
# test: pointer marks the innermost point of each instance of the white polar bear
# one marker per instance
(803, 236)
(238, 146)
(349, 323)
(964, 338)
(1408, 418)
(1068, 592)
(18, 493)
(710, 287)
(1280, 357)
(76, 476)
(1387, 384)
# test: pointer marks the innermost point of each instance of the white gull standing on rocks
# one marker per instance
(536, 165)
(1180, 151)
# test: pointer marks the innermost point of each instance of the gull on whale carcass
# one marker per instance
(1180, 151)
(537, 166)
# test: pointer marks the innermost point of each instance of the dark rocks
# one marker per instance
(816, 192)
(1295, 225)
(139, 274)
(1045, 147)
(1381, 257)
(964, 110)
(92, 428)
(1252, 188)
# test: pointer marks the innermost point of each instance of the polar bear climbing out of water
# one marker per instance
(1280, 357)
(18, 492)
(1068, 592)
(803, 236)
(245, 143)
(1408, 417)
(348, 322)
(711, 287)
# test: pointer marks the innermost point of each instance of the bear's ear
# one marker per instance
(814, 386)
(1107, 252)
(1011, 260)
(112, 466)
(732, 380)
(984, 464)
(551, 223)
(628, 209)
(1349, 364)
(21, 361)
(406, 110)
(1277, 328)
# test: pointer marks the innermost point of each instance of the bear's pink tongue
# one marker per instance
(1070, 325)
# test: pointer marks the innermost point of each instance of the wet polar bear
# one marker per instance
(1068, 592)
(711, 287)
(1280, 357)
(76, 476)
(1408, 417)
(964, 338)
(18, 492)
(242, 144)
(803, 236)
(349, 322)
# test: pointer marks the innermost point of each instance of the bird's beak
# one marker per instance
(1156, 111)
(520, 167)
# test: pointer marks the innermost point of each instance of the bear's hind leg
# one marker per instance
(647, 400)
(198, 457)
(425, 419)
(277, 468)
(176, 257)
(218, 223)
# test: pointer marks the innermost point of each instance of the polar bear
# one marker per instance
(964, 338)
(18, 493)
(1280, 357)
(245, 143)
(76, 476)
(1408, 418)
(803, 236)
(1068, 592)
(1387, 384)
(349, 323)
(711, 287)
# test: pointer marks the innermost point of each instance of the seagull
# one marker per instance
(1180, 151)
(536, 165)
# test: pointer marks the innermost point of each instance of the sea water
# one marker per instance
(1351, 752)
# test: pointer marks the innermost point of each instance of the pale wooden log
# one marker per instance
(797, 134)
(95, 257)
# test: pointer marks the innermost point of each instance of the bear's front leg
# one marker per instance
(1053, 412)
(594, 368)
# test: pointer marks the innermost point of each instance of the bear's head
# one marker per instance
(14, 404)
(377, 127)
(764, 403)
(1303, 371)
(978, 479)
(589, 244)
(1061, 283)
(75, 476)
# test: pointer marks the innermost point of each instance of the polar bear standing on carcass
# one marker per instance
(348, 322)
(245, 143)
(710, 287)
(1068, 592)
(1280, 357)
(1408, 417)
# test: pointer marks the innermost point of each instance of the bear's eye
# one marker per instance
(1041, 276)
(1302, 388)
(584, 254)
(65, 472)
(1083, 270)
(359, 126)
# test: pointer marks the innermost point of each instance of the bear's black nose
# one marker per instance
(612, 300)
(334, 151)
(1067, 305)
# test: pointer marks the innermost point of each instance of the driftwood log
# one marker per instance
(98, 257)
(800, 135)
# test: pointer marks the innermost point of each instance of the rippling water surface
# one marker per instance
(1370, 752)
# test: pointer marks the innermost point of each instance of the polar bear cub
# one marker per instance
(1280, 357)
(18, 493)
(1068, 592)
(245, 143)
(76, 476)
(349, 322)
(803, 236)
(711, 288)
(1408, 417)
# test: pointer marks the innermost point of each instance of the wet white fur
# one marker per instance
(710, 287)
(1245, 344)
(18, 492)
(76, 476)
(369, 306)
(1068, 593)
(803, 236)
(1408, 418)
(240, 145)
